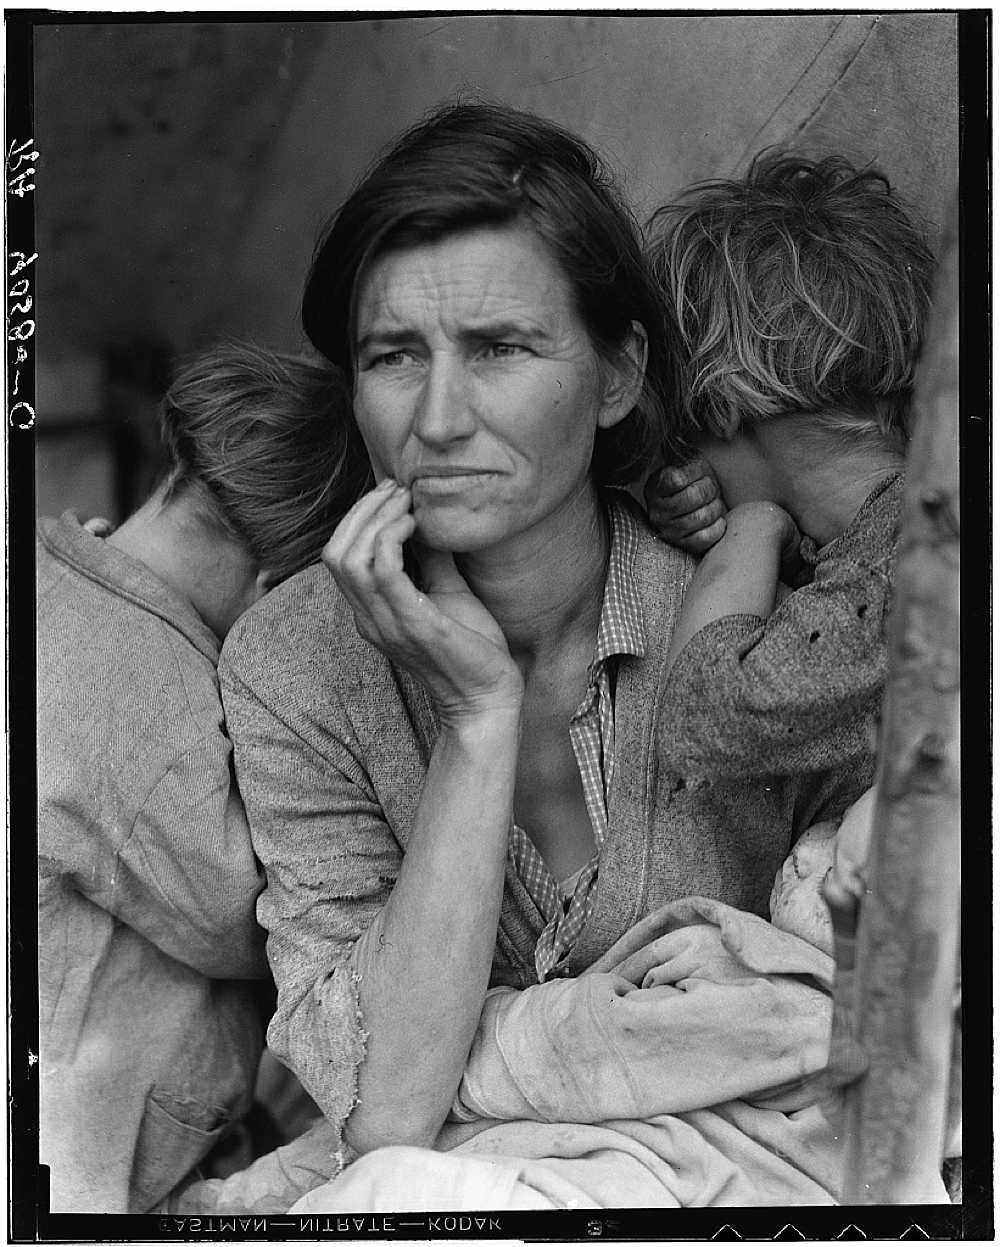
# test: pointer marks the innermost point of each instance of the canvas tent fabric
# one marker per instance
(188, 167)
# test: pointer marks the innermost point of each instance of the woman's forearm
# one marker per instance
(424, 963)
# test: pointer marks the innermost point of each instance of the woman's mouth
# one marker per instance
(448, 480)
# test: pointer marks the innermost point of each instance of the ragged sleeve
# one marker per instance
(793, 694)
(331, 860)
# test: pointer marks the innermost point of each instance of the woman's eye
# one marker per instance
(503, 350)
(384, 359)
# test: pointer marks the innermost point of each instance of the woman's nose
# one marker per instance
(444, 411)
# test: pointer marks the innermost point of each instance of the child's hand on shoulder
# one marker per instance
(685, 506)
(99, 527)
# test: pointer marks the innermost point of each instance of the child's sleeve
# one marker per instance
(795, 693)
(186, 876)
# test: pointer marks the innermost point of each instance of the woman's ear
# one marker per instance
(624, 378)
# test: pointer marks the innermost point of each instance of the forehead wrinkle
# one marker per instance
(467, 296)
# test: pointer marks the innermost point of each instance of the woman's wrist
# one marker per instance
(487, 724)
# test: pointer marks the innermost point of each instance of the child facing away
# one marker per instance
(148, 941)
(801, 292)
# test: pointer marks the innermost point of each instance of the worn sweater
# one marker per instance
(332, 743)
(147, 884)
(800, 691)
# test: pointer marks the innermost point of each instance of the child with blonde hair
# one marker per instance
(801, 292)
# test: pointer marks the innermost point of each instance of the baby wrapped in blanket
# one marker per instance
(684, 1069)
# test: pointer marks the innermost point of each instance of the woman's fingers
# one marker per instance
(350, 552)
(442, 632)
(353, 528)
(397, 527)
(365, 554)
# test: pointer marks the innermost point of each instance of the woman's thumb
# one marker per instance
(438, 572)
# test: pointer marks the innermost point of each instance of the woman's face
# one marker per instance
(477, 385)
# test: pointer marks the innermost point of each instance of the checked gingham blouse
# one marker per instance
(566, 908)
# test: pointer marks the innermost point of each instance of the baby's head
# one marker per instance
(797, 903)
(264, 445)
(802, 287)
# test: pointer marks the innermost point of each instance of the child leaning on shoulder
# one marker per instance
(148, 945)
(801, 292)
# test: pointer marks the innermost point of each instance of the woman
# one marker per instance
(148, 944)
(428, 824)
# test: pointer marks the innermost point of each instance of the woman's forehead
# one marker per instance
(476, 276)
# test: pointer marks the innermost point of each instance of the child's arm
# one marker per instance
(795, 693)
(739, 574)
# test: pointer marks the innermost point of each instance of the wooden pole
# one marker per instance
(908, 926)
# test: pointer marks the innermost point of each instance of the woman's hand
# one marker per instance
(443, 635)
(424, 961)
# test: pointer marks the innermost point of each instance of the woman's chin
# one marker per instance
(435, 537)
(443, 528)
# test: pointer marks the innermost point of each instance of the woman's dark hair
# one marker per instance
(475, 165)
(264, 444)
(802, 286)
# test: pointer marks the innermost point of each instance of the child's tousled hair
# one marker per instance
(803, 286)
(262, 443)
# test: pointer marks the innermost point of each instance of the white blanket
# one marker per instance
(682, 1070)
